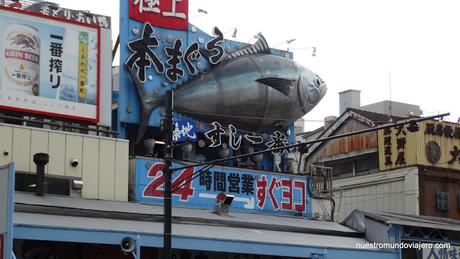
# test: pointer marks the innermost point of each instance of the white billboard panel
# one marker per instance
(49, 65)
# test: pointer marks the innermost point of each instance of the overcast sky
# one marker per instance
(358, 43)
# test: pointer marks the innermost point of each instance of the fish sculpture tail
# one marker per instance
(148, 103)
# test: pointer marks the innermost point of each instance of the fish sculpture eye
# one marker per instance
(318, 81)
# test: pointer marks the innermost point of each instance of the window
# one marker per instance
(355, 166)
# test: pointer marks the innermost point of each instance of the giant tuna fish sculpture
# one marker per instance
(251, 89)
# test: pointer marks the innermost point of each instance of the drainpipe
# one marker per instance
(40, 159)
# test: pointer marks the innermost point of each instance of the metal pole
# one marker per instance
(138, 246)
(115, 48)
(168, 126)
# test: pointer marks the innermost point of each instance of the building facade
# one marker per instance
(396, 169)
(90, 164)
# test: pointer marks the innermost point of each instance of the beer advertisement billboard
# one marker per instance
(49, 65)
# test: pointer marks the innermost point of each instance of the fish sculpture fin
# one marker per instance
(280, 84)
(148, 104)
(142, 127)
(261, 46)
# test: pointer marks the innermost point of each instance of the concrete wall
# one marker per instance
(103, 162)
(391, 191)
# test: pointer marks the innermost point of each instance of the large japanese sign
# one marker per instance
(172, 14)
(157, 58)
(6, 210)
(242, 96)
(254, 191)
(161, 58)
(437, 143)
(49, 66)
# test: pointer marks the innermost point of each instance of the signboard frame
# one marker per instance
(96, 118)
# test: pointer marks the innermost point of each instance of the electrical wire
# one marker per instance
(237, 116)
(387, 195)
(191, 177)
(384, 176)
(377, 194)
(314, 196)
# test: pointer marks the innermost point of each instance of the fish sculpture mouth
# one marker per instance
(311, 89)
(316, 91)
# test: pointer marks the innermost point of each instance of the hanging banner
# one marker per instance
(49, 66)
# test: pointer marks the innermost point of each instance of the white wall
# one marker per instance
(103, 162)
(390, 191)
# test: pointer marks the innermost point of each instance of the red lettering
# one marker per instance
(261, 191)
(272, 196)
(153, 188)
(181, 186)
(22, 55)
(301, 207)
(287, 194)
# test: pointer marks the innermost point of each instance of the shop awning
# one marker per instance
(70, 221)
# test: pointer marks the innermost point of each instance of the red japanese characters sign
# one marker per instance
(171, 14)
(253, 191)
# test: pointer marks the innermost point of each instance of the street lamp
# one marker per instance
(284, 42)
(235, 30)
(313, 53)
(200, 12)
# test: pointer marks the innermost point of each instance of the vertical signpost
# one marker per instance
(170, 17)
(168, 171)
(6, 210)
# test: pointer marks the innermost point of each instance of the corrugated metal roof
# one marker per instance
(248, 235)
(409, 220)
(377, 118)
(67, 206)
